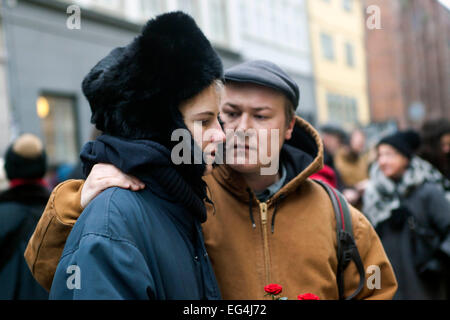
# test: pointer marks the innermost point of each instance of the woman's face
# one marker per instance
(392, 163)
(200, 115)
(445, 144)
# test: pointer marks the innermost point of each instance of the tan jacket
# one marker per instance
(352, 169)
(300, 255)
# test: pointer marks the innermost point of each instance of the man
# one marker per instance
(247, 246)
(352, 163)
(20, 209)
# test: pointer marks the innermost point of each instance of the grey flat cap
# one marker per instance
(267, 74)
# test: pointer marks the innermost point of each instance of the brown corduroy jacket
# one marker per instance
(297, 250)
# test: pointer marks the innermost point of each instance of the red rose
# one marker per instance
(308, 296)
(273, 288)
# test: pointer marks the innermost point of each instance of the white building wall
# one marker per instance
(274, 30)
(5, 132)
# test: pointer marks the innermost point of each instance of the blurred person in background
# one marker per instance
(436, 145)
(20, 209)
(333, 137)
(406, 204)
(3, 179)
(352, 163)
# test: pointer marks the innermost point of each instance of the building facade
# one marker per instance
(5, 132)
(337, 30)
(409, 62)
(240, 30)
(278, 31)
(52, 45)
(47, 61)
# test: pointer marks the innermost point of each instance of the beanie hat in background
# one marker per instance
(406, 142)
(26, 158)
(136, 90)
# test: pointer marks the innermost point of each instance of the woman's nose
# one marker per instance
(218, 135)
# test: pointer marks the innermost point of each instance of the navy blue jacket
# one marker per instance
(136, 245)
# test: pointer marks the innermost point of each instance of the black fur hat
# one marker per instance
(135, 91)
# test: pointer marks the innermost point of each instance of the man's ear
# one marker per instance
(290, 128)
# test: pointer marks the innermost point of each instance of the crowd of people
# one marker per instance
(143, 227)
(404, 196)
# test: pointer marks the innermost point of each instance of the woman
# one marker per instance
(148, 244)
(407, 206)
(436, 145)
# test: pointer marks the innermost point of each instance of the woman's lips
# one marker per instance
(246, 147)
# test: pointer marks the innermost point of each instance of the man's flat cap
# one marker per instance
(267, 74)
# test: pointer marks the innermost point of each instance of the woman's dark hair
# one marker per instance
(430, 150)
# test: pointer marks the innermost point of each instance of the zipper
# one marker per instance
(263, 211)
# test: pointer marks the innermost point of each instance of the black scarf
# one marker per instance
(147, 159)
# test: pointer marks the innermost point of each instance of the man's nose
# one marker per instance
(244, 123)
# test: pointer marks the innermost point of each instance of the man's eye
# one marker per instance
(259, 117)
(231, 114)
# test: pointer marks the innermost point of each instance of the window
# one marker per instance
(110, 5)
(327, 46)
(278, 22)
(350, 54)
(342, 109)
(58, 125)
(218, 21)
(347, 5)
(151, 8)
(190, 7)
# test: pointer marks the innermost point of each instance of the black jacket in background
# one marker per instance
(20, 210)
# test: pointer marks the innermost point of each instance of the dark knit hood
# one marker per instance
(150, 162)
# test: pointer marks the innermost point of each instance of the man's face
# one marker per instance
(331, 142)
(358, 141)
(445, 144)
(255, 113)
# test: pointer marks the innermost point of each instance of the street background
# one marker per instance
(380, 65)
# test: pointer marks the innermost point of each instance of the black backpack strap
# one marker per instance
(347, 250)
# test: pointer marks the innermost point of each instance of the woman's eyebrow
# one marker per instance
(205, 113)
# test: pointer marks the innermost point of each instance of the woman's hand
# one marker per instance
(104, 176)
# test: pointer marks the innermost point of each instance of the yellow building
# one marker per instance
(338, 49)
